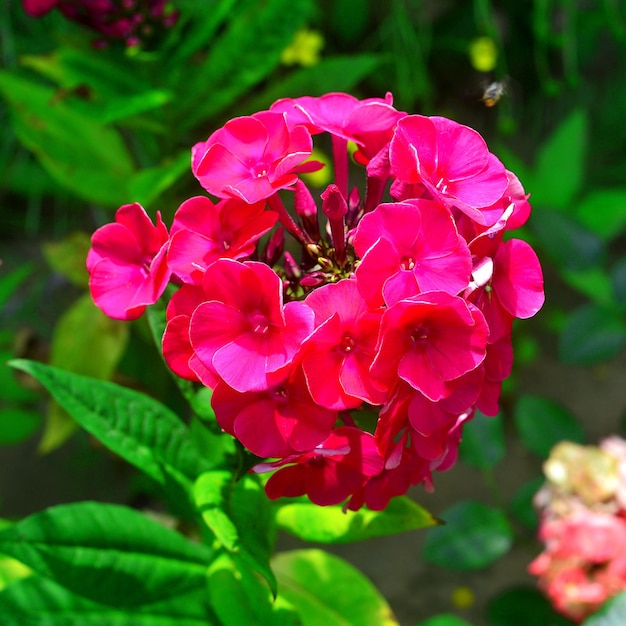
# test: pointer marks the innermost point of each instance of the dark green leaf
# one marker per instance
(593, 283)
(483, 441)
(239, 597)
(542, 423)
(618, 282)
(522, 606)
(17, 424)
(133, 425)
(522, 503)
(107, 553)
(327, 590)
(569, 245)
(330, 524)
(239, 515)
(592, 334)
(613, 613)
(473, 536)
(603, 212)
(67, 257)
(559, 170)
(12, 391)
(10, 281)
(41, 602)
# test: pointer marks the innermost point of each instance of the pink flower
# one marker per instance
(243, 332)
(203, 232)
(427, 341)
(331, 472)
(277, 422)
(369, 123)
(252, 157)
(409, 247)
(451, 161)
(339, 353)
(37, 8)
(126, 263)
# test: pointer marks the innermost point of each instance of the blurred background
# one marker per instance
(93, 118)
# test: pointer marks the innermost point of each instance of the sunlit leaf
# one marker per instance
(107, 553)
(473, 536)
(542, 423)
(330, 524)
(327, 590)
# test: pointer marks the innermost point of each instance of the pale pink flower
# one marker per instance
(126, 263)
(451, 161)
(244, 332)
(252, 157)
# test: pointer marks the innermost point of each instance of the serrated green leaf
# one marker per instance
(542, 423)
(327, 590)
(592, 334)
(613, 613)
(521, 606)
(603, 212)
(133, 425)
(242, 56)
(239, 597)
(42, 602)
(239, 515)
(86, 157)
(559, 169)
(107, 553)
(483, 441)
(330, 524)
(473, 536)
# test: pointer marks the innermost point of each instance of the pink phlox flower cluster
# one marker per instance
(351, 359)
(132, 21)
(582, 527)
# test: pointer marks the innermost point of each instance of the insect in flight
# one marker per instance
(493, 92)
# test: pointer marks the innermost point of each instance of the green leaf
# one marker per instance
(559, 170)
(239, 515)
(10, 571)
(473, 536)
(77, 151)
(592, 334)
(522, 503)
(85, 341)
(133, 425)
(482, 446)
(17, 424)
(618, 282)
(445, 620)
(10, 281)
(327, 590)
(612, 613)
(593, 283)
(568, 244)
(522, 606)
(242, 56)
(239, 597)
(603, 212)
(67, 257)
(107, 553)
(41, 602)
(339, 73)
(329, 524)
(542, 423)
(12, 391)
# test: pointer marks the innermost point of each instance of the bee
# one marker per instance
(493, 92)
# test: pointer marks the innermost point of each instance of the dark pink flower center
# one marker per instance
(407, 263)
(259, 323)
(347, 344)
